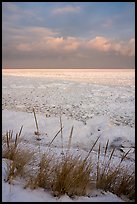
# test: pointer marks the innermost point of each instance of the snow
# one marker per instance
(16, 193)
(94, 106)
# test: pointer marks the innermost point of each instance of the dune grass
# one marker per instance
(115, 179)
(43, 175)
(18, 157)
(125, 184)
(10, 144)
(72, 176)
(69, 174)
(16, 166)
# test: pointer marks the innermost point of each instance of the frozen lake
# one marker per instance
(104, 99)
(98, 76)
(79, 94)
(97, 103)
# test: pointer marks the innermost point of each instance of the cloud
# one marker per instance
(125, 48)
(71, 44)
(37, 31)
(35, 43)
(100, 43)
(30, 39)
(66, 9)
(50, 44)
(54, 43)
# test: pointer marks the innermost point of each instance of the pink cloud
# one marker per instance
(45, 39)
(71, 44)
(66, 9)
(54, 42)
(124, 48)
(100, 43)
(68, 44)
(58, 44)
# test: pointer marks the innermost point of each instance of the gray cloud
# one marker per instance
(28, 45)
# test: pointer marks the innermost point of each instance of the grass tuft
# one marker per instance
(17, 166)
(115, 179)
(10, 144)
(18, 157)
(72, 176)
(42, 177)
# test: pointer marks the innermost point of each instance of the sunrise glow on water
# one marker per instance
(101, 76)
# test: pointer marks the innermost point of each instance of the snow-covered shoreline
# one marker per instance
(95, 110)
(72, 98)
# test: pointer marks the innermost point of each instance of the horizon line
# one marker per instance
(69, 68)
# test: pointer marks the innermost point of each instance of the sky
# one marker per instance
(68, 35)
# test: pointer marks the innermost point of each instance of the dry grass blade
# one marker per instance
(55, 136)
(113, 150)
(61, 132)
(16, 139)
(70, 137)
(106, 148)
(98, 167)
(108, 163)
(20, 130)
(91, 149)
(10, 133)
(99, 148)
(105, 153)
(124, 155)
(37, 132)
(7, 137)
